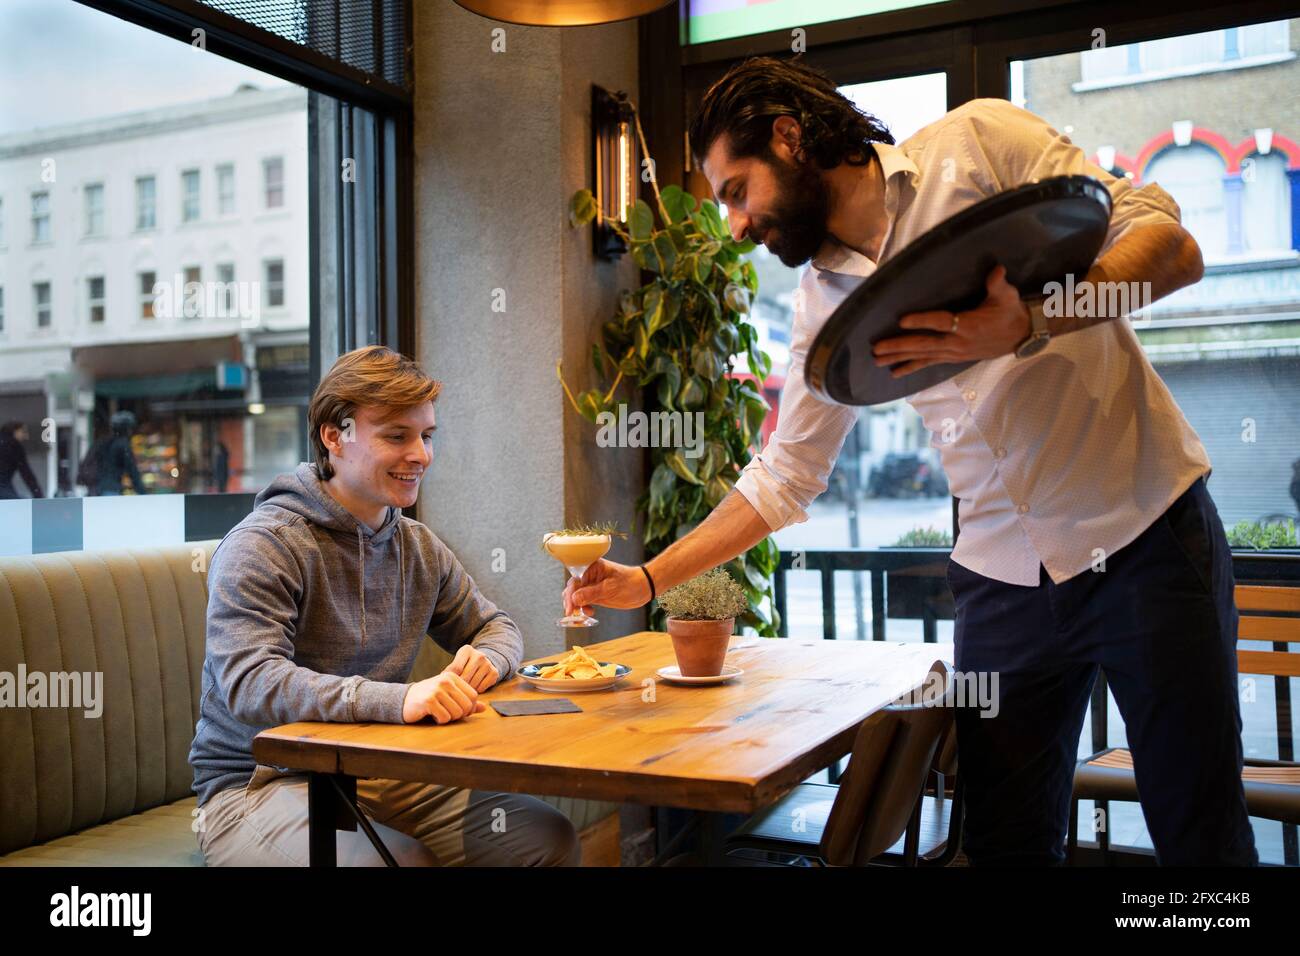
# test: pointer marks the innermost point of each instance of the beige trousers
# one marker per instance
(265, 824)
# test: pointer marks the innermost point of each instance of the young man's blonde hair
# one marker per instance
(374, 376)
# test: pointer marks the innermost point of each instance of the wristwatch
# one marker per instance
(1039, 334)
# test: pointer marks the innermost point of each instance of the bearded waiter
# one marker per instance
(1088, 538)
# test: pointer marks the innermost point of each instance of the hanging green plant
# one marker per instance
(677, 337)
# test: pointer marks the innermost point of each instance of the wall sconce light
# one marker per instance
(1263, 140)
(562, 13)
(1106, 157)
(614, 163)
(1182, 130)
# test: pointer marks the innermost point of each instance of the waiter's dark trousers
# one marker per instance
(1161, 622)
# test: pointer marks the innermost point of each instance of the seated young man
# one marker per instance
(318, 603)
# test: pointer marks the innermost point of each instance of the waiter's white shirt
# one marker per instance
(1058, 459)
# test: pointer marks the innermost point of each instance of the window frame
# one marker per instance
(47, 307)
(191, 196)
(217, 175)
(268, 162)
(97, 302)
(360, 256)
(46, 217)
(139, 180)
(268, 285)
(146, 298)
(88, 225)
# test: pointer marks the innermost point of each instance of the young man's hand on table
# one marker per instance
(445, 698)
(473, 666)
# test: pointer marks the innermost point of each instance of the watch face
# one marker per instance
(1033, 346)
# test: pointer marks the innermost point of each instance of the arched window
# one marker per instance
(1193, 175)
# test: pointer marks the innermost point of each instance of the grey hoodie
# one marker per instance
(313, 616)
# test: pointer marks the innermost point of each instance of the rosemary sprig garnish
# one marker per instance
(606, 527)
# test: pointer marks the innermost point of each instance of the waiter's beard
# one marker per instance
(796, 228)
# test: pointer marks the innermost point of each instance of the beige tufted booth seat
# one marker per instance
(116, 790)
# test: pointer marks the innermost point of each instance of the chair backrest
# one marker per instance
(1263, 616)
(893, 753)
(135, 617)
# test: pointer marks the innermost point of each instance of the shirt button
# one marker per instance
(1022, 509)
(999, 453)
(969, 395)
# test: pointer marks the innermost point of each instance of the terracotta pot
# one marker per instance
(700, 646)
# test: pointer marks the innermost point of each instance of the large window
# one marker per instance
(1223, 143)
(887, 486)
(149, 318)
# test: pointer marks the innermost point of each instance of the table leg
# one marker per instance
(713, 835)
(332, 806)
(323, 812)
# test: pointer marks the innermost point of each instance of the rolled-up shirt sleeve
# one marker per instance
(795, 465)
(1011, 147)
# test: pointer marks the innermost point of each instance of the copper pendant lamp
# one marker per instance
(562, 13)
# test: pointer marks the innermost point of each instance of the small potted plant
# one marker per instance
(701, 618)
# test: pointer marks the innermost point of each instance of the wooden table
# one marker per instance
(734, 747)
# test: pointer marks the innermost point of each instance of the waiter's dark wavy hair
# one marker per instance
(745, 102)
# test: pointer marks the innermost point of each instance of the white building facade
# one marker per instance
(157, 262)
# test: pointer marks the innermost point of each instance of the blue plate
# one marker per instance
(531, 674)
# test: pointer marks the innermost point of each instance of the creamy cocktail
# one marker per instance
(577, 552)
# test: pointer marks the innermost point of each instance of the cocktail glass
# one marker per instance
(577, 552)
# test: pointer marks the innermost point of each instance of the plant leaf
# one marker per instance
(662, 483)
(692, 394)
(737, 297)
(706, 363)
(642, 221)
(582, 208)
(679, 203)
(681, 467)
(669, 385)
(667, 252)
(654, 317)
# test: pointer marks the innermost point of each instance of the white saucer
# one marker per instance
(673, 675)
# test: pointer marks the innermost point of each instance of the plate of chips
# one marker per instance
(578, 671)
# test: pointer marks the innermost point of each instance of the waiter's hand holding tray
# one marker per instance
(1040, 232)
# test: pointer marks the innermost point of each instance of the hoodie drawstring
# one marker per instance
(401, 587)
(361, 556)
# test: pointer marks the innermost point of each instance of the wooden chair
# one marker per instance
(886, 793)
(1272, 786)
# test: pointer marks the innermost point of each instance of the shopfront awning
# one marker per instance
(156, 386)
